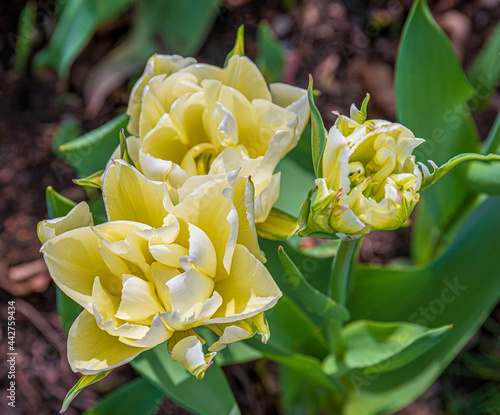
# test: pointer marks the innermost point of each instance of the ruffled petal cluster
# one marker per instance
(370, 180)
(189, 119)
(164, 264)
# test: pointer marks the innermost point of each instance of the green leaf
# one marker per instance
(307, 296)
(92, 151)
(237, 353)
(124, 154)
(492, 142)
(295, 184)
(279, 226)
(67, 131)
(318, 133)
(57, 204)
(239, 45)
(137, 397)
(301, 396)
(483, 178)
(271, 56)
(461, 287)
(83, 382)
(305, 210)
(94, 180)
(75, 27)
(484, 73)
(382, 347)
(209, 396)
(431, 96)
(24, 39)
(439, 172)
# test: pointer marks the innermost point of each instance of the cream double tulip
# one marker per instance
(369, 177)
(160, 268)
(189, 119)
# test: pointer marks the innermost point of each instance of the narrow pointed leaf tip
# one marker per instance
(318, 133)
(430, 178)
(83, 382)
(239, 45)
(309, 297)
(124, 154)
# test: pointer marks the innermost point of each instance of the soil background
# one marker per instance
(349, 47)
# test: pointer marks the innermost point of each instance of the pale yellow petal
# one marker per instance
(92, 350)
(294, 99)
(74, 261)
(77, 217)
(189, 353)
(239, 330)
(128, 195)
(138, 300)
(240, 73)
(248, 290)
(156, 65)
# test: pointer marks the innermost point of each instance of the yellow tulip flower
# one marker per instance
(159, 268)
(369, 178)
(189, 119)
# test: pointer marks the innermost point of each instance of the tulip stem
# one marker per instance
(339, 282)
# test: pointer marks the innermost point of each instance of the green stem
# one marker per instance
(340, 271)
(339, 283)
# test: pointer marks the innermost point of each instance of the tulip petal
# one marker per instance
(128, 195)
(159, 94)
(240, 73)
(248, 290)
(210, 208)
(202, 256)
(74, 261)
(77, 217)
(189, 353)
(294, 99)
(92, 350)
(239, 330)
(156, 65)
(138, 301)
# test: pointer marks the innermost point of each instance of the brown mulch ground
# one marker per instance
(349, 47)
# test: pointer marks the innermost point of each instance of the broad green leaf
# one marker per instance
(302, 153)
(461, 288)
(318, 133)
(312, 247)
(57, 204)
(381, 347)
(67, 309)
(92, 151)
(492, 143)
(301, 396)
(239, 45)
(271, 55)
(237, 353)
(67, 131)
(209, 396)
(74, 29)
(483, 177)
(24, 38)
(307, 296)
(484, 73)
(310, 367)
(279, 226)
(295, 185)
(137, 397)
(83, 382)
(431, 96)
